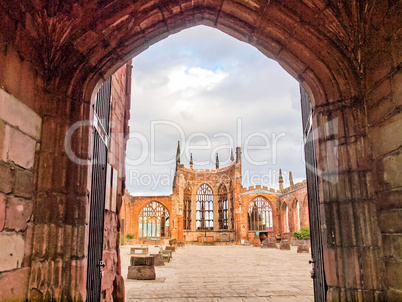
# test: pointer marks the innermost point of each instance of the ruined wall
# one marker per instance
(298, 192)
(132, 207)
(273, 198)
(192, 179)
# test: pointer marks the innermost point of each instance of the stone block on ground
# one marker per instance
(284, 245)
(139, 250)
(141, 272)
(272, 239)
(142, 260)
(173, 242)
(181, 244)
(158, 259)
(303, 248)
(166, 256)
(170, 248)
(266, 244)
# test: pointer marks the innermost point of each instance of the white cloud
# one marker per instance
(192, 80)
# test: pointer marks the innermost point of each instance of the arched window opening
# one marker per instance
(205, 208)
(223, 208)
(154, 221)
(298, 214)
(260, 215)
(286, 219)
(187, 209)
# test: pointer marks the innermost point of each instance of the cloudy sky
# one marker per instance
(211, 92)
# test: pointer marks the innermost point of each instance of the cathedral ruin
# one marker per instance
(212, 206)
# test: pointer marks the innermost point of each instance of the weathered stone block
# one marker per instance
(303, 248)
(386, 137)
(11, 251)
(14, 285)
(18, 212)
(139, 250)
(393, 167)
(284, 245)
(2, 137)
(2, 211)
(18, 114)
(6, 178)
(23, 183)
(142, 261)
(390, 221)
(268, 245)
(158, 259)
(141, 273)
(19, 148)
(393, 273)
(170, 248)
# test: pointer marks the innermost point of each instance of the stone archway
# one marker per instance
(345, 55)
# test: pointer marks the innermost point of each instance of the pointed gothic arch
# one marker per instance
(259, 215)
(223, 207)
(205, 208)
(187, 208)
(154, 221)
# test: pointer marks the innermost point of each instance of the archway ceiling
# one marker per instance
(75, 42)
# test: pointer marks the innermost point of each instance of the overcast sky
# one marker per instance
(211, 92)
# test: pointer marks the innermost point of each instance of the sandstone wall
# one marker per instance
(20, 134)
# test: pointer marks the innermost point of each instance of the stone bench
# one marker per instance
(303, 248)
(166, 255)
(284, 245)
(141, 268)
(170, 248)
(139, 250)
(158, 259)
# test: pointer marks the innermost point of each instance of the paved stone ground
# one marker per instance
(225, 273)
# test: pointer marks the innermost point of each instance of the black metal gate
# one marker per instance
(313, 200)
(98, 187)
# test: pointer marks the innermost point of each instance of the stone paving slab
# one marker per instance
(224, 273)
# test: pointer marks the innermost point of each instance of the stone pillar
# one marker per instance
(60, 236)
(351, 238)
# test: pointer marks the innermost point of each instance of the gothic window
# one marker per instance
(154, 221)
(259, 215)
(205, 208)
(187, 209)
(286, 218)
(298, 214)
(223, 207)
